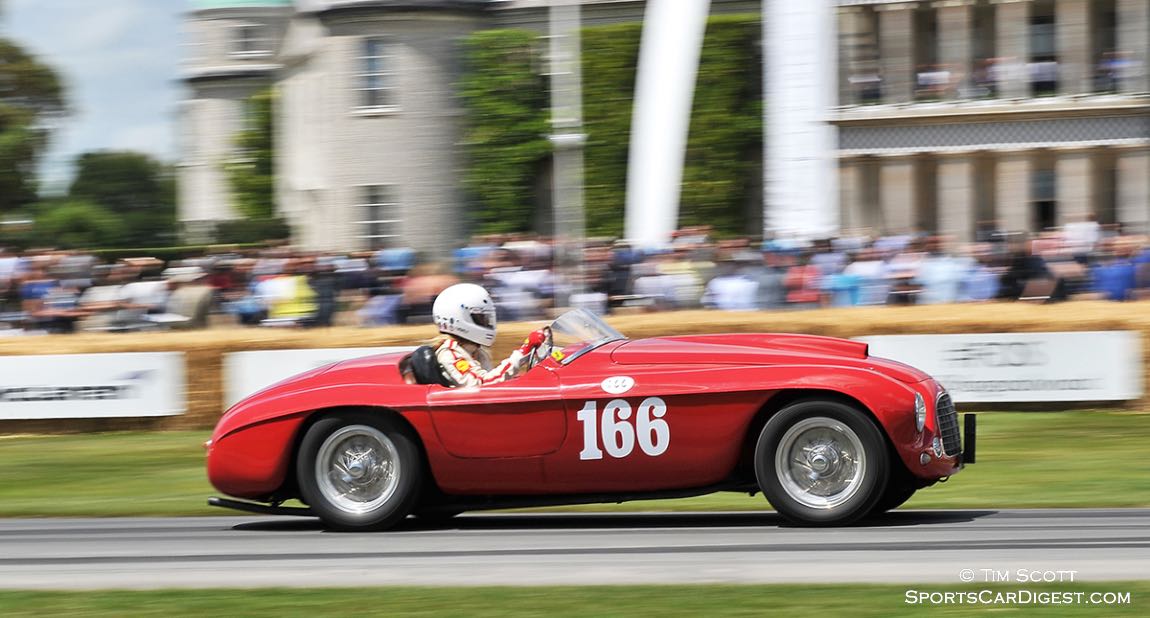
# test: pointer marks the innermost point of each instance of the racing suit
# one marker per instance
(464, 369)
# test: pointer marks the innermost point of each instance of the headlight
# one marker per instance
(919, 412)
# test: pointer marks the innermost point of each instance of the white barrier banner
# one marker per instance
(92, 385)
(246, 373)
(1024, 367)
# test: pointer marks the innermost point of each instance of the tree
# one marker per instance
(138, 189)
(77, 225)
(506, 130)
(726, 125)
(252, 174)
(506, 106)
(31, 96)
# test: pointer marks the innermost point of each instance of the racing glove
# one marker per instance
(533, 341)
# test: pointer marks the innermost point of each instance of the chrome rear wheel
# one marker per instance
(358, 468)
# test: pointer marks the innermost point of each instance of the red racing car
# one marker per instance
(828, 433)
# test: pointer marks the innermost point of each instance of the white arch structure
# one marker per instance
(661, 116)
(800, 180)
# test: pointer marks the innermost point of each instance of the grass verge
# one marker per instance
(856, 601)
(1070, 459)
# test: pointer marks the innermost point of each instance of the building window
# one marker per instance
(376, 82)
(251, 40)
(381, 218)
(1044, 193)
(1043, 65)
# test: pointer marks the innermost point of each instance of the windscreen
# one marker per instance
(579, 331)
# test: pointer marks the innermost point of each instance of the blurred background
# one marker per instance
(248, 163)
(199, 198)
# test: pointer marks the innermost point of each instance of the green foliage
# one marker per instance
(77, 225)
(515, 600)
(30, 95)
(251, 175)
(506, 127)
(115, 474)
(20, 145)
(1028, 459)
(725, 140)
(134, 186)
(610, 55)
(252, 230)
(723, 146)
(726, 124)
(17, 230)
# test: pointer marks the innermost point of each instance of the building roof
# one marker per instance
(203, 5)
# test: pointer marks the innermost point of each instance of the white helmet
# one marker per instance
(467, 311)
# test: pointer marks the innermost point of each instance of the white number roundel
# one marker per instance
(617, 385)
(618, 434)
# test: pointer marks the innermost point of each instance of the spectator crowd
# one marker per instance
(68, 291)
(987, 76)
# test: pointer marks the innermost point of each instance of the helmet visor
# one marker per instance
(482, 319)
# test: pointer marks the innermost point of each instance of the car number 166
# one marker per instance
(618, 434)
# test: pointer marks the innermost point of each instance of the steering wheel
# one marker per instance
(542, 352)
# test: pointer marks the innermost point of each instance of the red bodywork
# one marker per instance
(524, 437)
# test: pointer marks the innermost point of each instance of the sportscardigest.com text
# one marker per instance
(1016, 597)
(1011, 586)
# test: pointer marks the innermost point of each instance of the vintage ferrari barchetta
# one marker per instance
(825, 431)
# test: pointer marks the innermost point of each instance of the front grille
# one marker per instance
(947, 418)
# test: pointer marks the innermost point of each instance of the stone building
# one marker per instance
(1031, 113)
(368, 124)
(231, 53)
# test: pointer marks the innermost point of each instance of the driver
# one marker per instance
(465, 316)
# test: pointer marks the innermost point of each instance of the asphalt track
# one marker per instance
(489, 549)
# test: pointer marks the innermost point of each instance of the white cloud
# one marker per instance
(119, 59)
(155, 138)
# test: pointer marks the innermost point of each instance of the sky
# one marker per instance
(119, 60)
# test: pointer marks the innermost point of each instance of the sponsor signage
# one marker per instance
(92, 385)
(246, 373)
(1024, 367)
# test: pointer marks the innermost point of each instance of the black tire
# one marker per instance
(435, 516)
(899, 488)
(863, 482)
(367, 444)
(895, 496)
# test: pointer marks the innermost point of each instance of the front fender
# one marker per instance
(252, 446)
(888, 399)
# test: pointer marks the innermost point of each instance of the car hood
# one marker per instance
(760, 349)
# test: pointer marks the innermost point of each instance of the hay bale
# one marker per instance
(205, 349)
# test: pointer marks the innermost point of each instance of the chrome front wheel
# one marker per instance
(821, 462)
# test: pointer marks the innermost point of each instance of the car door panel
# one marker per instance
(522, 417)
(704, 429)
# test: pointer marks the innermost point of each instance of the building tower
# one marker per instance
(368, 131)
(230, 55)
